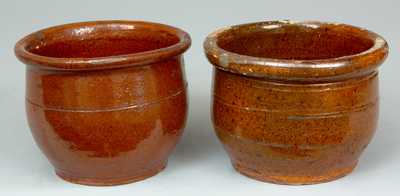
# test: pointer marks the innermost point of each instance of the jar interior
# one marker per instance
(294, 42)
(99, 41)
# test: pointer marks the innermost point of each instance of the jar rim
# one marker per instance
(341, 67)
(103, 62)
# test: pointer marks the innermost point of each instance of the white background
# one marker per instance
(199, 165)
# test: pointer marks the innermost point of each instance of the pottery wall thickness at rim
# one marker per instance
(38, 49)
(297, 37)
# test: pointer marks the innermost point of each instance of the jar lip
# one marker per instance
(103, 62)
(292, 69)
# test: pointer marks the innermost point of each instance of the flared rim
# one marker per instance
(292, 69)
(105, 62)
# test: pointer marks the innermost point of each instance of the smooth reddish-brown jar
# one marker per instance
(106, 100)
(295, 102)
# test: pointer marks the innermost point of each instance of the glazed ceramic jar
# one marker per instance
(295, 102)
(106, 100)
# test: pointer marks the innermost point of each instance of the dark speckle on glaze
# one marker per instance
(295, 103)
(106, 100)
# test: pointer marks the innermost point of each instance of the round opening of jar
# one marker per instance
(90, 42)
(101, 44)
(295, 42)
(301, 51)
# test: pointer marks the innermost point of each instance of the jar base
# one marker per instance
(294, 180)
(112, 181)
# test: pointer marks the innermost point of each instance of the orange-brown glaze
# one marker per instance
(106, 112)
(294, 128)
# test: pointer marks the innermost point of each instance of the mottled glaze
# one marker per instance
(106, 100)
(295, 102)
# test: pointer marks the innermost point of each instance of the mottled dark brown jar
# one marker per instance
(295, 102)
(106, 100)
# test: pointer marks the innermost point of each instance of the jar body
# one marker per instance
(291, 132)
(111, 126)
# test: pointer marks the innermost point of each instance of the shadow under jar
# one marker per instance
(295, 102)
(106, 100)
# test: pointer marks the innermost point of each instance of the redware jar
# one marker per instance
(295, 102)
(106, 100)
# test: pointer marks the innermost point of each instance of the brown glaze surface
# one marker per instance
(295, 103)
(106, 101)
